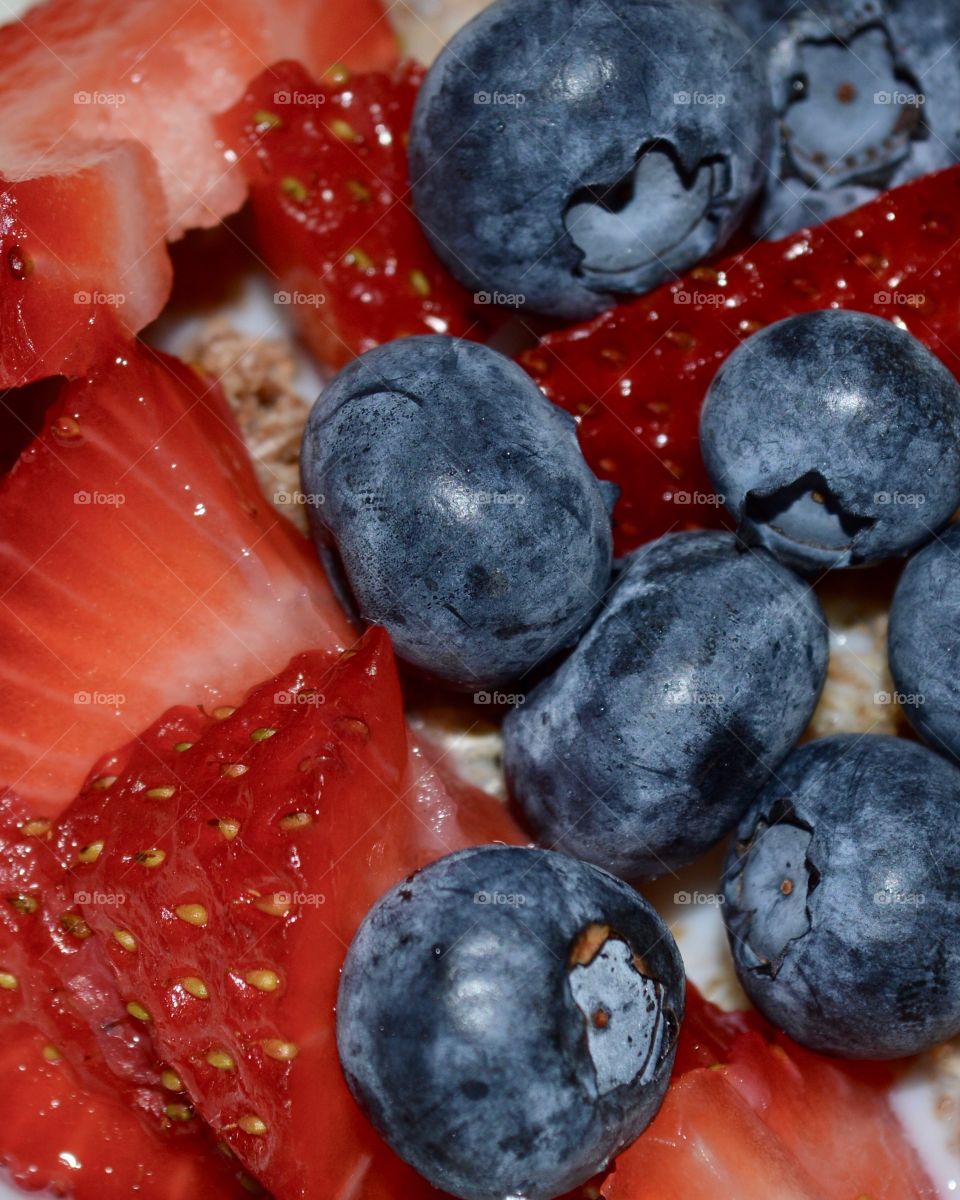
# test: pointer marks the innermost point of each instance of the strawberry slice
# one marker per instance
(56, 979)
(327, 166)
(66, 291)
(64, 1141)
(109, 149)
(636, 376)
(247, 851)
(156, 72)
(140, 567)
(93, 1110)
(751, 1114)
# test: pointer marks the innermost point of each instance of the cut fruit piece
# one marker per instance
(157, 72)
(83, 1067)
(327, 166)
(109, 148)
(68, 292)
(247, 850)
(751, 1114)
(636, 376)
(140, 567)
(61, 1140)
(55, 978)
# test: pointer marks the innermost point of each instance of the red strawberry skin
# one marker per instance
(277, 829)
(57, 978)
(62, 1140)
(141, 566)
(636, 376)
(90, 1113)
(327, 166)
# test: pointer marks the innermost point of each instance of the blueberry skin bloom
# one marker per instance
(652, 738)
(564, 152)
(843, 897)
(834, 438)
(508, 1019)
(922, 642)
(464, 516)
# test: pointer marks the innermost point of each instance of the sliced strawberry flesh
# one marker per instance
(109, 149)
(326, 161)
(141, 567)
(111, 70)
(751, 1114)
(636, 377)
(67, 291)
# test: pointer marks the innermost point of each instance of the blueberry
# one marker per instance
(835, 439)
(508, 1019)
(649, 742)
(923, 647)
(464, 515)
(564, 152)
(866, 93)
(843, 897)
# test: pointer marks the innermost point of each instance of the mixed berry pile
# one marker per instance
(257, 936)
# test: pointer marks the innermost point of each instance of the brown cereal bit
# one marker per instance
(257, 376)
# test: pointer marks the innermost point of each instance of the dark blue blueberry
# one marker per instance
(464, 516)
(649, 742)
(867, 94)
(924, 642)
(834, 438)
(508, 1019)
(564, 152)
(843, 897)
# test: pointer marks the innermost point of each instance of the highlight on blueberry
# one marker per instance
(647, 744)
(571, 151)
(835, 439)
(866, 94)
(922, 642)
(508, 1019)
(458, 508)
(843, 897)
